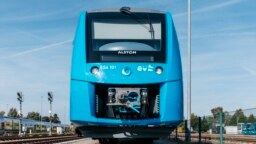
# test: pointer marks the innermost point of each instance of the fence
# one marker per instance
(219, 124)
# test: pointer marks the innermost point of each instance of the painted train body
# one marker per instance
(126, 77)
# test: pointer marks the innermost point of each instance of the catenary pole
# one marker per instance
(189, 73)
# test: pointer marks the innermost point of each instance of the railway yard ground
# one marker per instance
(206, 139)
(64, 139)
(91, 141)
(36, 139)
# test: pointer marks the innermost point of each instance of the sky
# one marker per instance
(36, 46)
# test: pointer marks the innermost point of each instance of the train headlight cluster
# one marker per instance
(159, 70)
(95, 70)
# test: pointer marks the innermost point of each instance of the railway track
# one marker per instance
(37, 140)
(215, 137)
(16, 137)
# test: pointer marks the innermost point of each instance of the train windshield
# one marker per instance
(119, 37)
(126, 34)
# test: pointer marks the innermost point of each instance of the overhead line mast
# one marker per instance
(189, 74)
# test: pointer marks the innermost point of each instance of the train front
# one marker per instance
(126, 76)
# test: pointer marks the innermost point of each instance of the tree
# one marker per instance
(216, 114)
(45, 118)
(251, 119)
(238, 117)
(33, 116)
(56, 119)
(227, 118)
(210, 121)
(205, 125)
(2, 113)
(216, 111)
(194, 122)
(13, 112)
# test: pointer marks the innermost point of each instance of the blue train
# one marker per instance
(126, 77)
(248, 128)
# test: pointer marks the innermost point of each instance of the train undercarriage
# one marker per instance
(110, 135)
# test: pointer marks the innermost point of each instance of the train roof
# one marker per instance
(139, 10)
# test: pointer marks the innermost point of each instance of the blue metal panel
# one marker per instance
(173, 53)
(79, 53)
(82, 101)
(171, 101)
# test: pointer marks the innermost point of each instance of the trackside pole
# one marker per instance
(50, 99)
(200, 130)
(221, 132)
(186, 130)
(176, 134)
(189, 76)
(20, 98)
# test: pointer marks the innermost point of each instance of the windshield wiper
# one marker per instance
(127, 10)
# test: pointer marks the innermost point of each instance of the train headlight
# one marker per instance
(159, 70)
(95, 70)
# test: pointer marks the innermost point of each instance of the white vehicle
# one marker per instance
(240, 128)
(231, 129)
(59, 130)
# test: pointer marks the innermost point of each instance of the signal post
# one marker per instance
(50, 99)
(20, 98)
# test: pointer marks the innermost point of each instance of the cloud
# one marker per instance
(210, 8)
(34, 16)
(250, 70)
(34, 35)
(26, 32)
(37, 49)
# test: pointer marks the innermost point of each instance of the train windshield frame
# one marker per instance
(118, 37)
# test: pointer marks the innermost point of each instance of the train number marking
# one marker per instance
(106, 67)
(112, 67)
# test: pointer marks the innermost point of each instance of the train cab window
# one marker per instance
(120, 37)
(114, 35)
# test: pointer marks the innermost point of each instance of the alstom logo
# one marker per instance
(127, 52)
